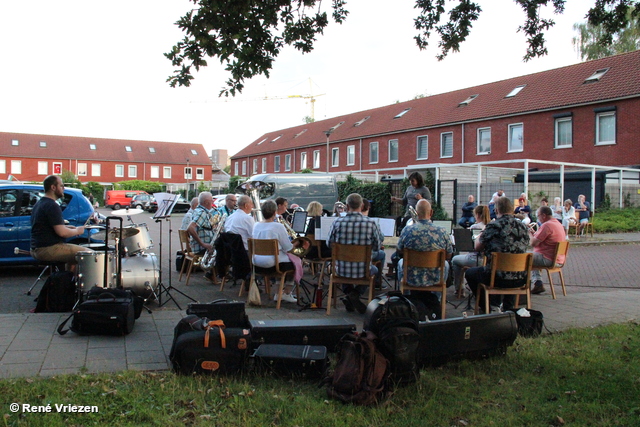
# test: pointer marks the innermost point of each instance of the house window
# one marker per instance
(82, 169)
(96, 169)
(133, 171)
(120, 171)
(515, 91)
(3, 166)
(446, 144)
(422, 149)
(127, 148)
(244, 167)
(43, 168)
(316, 159)
(303, 161)
(166, 172)
(200, 173)
(235, 169)
(276, 164)
(43, 144)
(287, 162)
(155, 171)
(402, 113)
(393, 150)
(484, 141)
(351, 155)
(152, 150)
(563, 132)
(92, 147)
(254, 169)
(606, 128)
(15, 142)
(335, 157)
(194, 152)
(516, 138)
(188, 174)
(264, 165)
(373, 152)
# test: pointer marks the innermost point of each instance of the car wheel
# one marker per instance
(116, 206)
(138, 206)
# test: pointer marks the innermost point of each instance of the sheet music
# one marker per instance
(325, 227)
(387, 226)
(166, 202)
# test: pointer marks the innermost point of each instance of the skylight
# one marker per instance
(516, 90)
(15, 142)
(194, 152)
(127, 148)
(276, 138)
(358, 123)
(43, 144)
(152, 150)
(336, 127)
(406, 110)
(262, 141)
(597, 75)
(92, 146)
(468, 100)
(298, 134)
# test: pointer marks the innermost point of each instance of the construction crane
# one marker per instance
(311, 98)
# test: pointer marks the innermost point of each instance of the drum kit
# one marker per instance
(127, 264)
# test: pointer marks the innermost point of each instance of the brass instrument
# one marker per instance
(414, 216)
(304, 244)
(252, 189)
(210, 255)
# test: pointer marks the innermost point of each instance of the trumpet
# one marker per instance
(210, 255)
(304, 244)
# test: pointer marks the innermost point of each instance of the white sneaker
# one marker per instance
(289, 298)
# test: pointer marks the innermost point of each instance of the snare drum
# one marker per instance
(91, 270)
(136, 239)
(140, 274)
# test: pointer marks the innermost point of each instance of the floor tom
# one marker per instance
(140, 274)
(91, 270)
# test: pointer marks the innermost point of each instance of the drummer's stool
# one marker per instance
(51, 266)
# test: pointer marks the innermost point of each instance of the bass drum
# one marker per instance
(140, 274)
(91, 270)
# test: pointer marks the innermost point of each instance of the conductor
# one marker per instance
(48, 230)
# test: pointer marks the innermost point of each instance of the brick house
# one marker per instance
(586, 113)
(32, 157)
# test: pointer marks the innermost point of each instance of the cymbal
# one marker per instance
(125, 212)
(92, 227)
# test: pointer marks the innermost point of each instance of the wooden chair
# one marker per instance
(429, 259)
(506, 262)
(562, 248)
(268, 247)
(189, 257)
(587, 228)
(318, 265)
(349, 253)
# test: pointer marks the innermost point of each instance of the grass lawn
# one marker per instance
(581, 377)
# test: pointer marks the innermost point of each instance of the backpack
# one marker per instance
(394, 319)
(58, 294)
(361, 373)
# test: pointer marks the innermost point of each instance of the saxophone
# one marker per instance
(304, 245)
(209, 256)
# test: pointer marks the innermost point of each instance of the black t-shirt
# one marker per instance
(45, 215)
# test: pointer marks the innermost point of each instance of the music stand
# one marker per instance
(166, 203)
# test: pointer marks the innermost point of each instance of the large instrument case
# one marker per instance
(324, 332)
(308, 361)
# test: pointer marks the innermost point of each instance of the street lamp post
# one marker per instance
(188, 175)
(328, 132)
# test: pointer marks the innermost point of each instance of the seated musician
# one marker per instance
(241, 221)
(271, 229)
(314, 210)
(282, 209)
(48, 230)
(379, 255)
(200, 229)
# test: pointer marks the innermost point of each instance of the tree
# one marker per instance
(589, 39)
(247, 35)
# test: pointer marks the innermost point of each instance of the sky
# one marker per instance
(97, 69)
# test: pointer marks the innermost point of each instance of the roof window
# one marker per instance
(194, 152)
(15, 142)
(358, 123)
(298, 134)
(468, 100)
(597, 75)
(127, 148)
(43, 144)
(336, 126)
(516, 90)
(406, 110)
(276, 138)
(92, 146)
(262, 141)
(152, 150)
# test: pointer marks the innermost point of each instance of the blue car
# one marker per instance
(16, 203)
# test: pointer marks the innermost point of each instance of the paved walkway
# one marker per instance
(602, 288)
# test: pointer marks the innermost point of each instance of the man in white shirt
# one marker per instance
(241, 221)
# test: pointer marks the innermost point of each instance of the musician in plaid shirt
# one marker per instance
(355, 229)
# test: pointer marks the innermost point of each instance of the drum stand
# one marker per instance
(162, 289)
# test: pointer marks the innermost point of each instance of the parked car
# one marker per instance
(117, 199)
(182, 206)
(141, 201)
(16, 204)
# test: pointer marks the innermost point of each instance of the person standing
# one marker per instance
(544, 242)
(414, 193)
(48, 230)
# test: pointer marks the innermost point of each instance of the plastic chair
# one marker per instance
(562, 248)
(349, 253)
(268, 247)
(428, 259)
(189, 257)
(506, 262)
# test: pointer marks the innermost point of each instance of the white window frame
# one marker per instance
(602, 115)
(396, 143)
(244, 168)
(351, 155)
(16, 167)
(133, 171)
(335, 157)
(443, 137)
(287, 162)
(188, 172)
(303, 160)
(316, 159)
(43, 168)
(119, 171)
(200, 173)
(556, 132)
(82, 169)
(154, 172)
(276, 164)
(264, 165)
(255, 166)
(374, 152)
(3, 166)
(96, 169)
(166, 172)
(510, 129)
(419, 154)
(479, 150)
(235, 169)
(127, 148)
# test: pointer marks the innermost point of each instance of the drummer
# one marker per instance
(48, 230)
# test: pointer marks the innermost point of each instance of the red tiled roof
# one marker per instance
(553, 89)
(73, 147)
